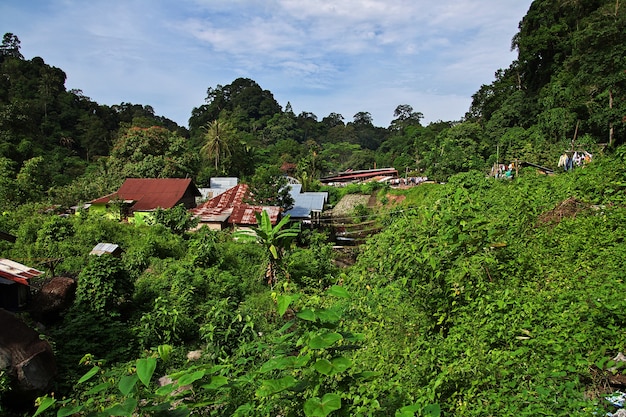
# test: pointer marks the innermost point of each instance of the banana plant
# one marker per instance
(274, 238)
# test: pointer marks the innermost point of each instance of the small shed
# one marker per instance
(307, 206)
(14, 284)
(109, 248)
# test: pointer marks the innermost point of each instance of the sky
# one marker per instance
(321, 56)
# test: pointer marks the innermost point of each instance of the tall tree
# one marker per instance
(153, 152)
(10, 47)
(269, 187)
(218, 139)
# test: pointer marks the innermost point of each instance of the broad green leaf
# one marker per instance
(307, 314)
(328, 316)
(126, 409)
(432, 410)
(166, 389)
(243, 410)
(338, 291)
(367, 375)
(44, 403)
(145, 369)
(274, 386)
(216, 382)
(281, 362)
(323, 366)
(69, 411)
(127, 383)
(332, 367)
(324, 340)
(274, 251)
(314, 407)
(165, 351)
(90, 373)
(301, 361)
(408, 411)
(189, 379)
(283, 303)
(98, 388)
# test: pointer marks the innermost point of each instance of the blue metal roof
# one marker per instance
(305, 203)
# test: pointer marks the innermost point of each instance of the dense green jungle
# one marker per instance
(479, 296)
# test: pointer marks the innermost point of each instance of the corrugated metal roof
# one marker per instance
(151, 193)
(361, 174)
(17, 272)
(305, 203)
(295, 189)
(102, 248)
(230, 206)
(245, 214)
(219, 208)
(218, 186)
(224, 183)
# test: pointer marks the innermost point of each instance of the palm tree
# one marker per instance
(218, 138)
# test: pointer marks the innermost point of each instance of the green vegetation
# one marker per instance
(477, 297)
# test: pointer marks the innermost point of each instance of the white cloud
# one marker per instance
(322, 55)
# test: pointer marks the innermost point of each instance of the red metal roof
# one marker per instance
(151, 193)
(230, 206)
(17, 272)
(245, 214)
(362, 174)
(220, 207)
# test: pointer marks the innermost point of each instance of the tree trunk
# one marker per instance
(611, 127)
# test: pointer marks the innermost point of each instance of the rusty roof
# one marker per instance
(17, 272)
(245, 214)
(219, 208)
(230, 206)
(359, 175)
(151, 193)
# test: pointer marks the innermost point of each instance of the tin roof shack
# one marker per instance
(14, 284)
(108, 248)
(307, 206)
(137, 198)
(229, 210)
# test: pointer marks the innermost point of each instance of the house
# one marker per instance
(359, 176)
(14, 283)
(137, 198)
(307, 206)
(229, 209)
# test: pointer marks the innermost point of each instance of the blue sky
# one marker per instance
(322, 56)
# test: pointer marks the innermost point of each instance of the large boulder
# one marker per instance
(27, 358)
(54, 297)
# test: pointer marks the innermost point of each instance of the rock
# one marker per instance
(194, 355)
(54, 297)
(27, 358)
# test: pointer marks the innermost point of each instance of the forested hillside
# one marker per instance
(478, 297)
(565, 90)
